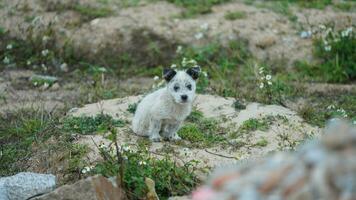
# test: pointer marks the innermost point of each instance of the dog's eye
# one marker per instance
(189, 87)
(176, 88)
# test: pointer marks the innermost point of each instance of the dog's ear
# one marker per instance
(168, 74)
(194, 72)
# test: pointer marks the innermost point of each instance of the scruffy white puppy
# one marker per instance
(163, 111)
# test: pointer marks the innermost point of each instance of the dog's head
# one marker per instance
(182, 84)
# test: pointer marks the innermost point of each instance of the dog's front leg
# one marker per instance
(154, 128)
(172, 131)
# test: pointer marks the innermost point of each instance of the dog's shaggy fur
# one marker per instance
(164, 110)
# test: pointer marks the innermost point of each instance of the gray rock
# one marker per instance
(25, 185)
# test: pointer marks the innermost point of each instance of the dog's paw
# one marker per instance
(155, 138)
(175, 137)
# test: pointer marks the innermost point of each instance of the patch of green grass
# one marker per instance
(256, 124)
(132, 108)
(337, 62)
(195, 116)
(91, 12)
(262, 142)
(170, 178)
(193, 8)
(322, 107)
(234, 15)
(90, 125)
(201, 131)
(19, 131)
(346, 6)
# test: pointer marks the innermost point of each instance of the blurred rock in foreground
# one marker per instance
(93, 188)
(321, 169)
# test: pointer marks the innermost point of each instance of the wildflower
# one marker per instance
(346, 32)
(44, 67)
(45, 85)
(205, 74)
(9, 46)
(184, 62)
(305, 34)
(6, 60)
(204, 26)
(142, 163)
(269, 83)
(330, 107)
(179, 49)
(126, 148)
(45, 38)
(199, 35)
(28, 62)
(262, 85)
(64, 67)
(87, 169)
(261, 70)
(268, 77)
(327, 48)
(322, 26)
(156, 78)
(173, 66)
(45, 52)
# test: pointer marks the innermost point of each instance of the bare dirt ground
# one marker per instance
(271, 36)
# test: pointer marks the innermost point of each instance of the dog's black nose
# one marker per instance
(184, 97)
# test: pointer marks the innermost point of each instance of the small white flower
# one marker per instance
(327, 48)
(87, 169)
(205, 74)
(64, 67)
(45, 52)
(156, 78)
(322, 26)
(184, 62)
(45, 85)
(305, 34)
(269, 83)
(173, 66)
(262, 85)
(44, 67)
(179, 49)
(330, 107)
(261, 70)
(9, 46)
(268, 77)
(45, 38)
(126, 148)
(142, 163)
(199, 35)
(204, 26)
(28, 62)
(6, 60)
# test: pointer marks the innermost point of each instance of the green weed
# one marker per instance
(193, 8)
(90, 125)
(234, 15)
(91, 12)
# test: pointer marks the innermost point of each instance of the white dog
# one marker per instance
(164, 110)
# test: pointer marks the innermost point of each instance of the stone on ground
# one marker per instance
(92, 188)
(25, 185)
